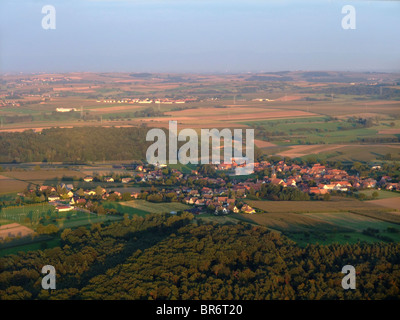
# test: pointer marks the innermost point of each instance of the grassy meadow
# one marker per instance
(144, 206)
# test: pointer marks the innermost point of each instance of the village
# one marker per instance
(211, 188)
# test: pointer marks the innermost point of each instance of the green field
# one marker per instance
(34, 212)
(71, 219)
(382, 194)
(183, 168)
(151, 207)
(46, 244)
(122, 208)
(231, 218)
(362, 153)
(313, 237)
(315, 131)
(49, 215)
(356, 222)
(78, 218)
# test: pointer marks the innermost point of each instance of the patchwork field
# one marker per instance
(293, 222)
(340, 220)
(351, 221)
(342, 152)
(296, 117)
(331, 227)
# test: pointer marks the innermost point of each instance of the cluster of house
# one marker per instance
(65, 109)
(148, 101)
(223, 205)
(316, 179)
(261, 99)
(8, 103)
(325, 179)
(56, 200)
(210, 192)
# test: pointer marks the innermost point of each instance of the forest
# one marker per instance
(163, 256)
(74, 144)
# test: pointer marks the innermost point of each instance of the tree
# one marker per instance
(126, 196)
(207, 170)
(80, 192)
(387, 156)
(99, 191)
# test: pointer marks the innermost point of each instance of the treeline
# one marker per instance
(15, 119)
(379, 91)
(148, 112)
(74, 144)
(280, 193)
(170, 257)
(379, 139)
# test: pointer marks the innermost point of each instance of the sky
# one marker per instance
(201, 36)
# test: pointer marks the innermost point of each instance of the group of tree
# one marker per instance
(176, 257)
(74, 144)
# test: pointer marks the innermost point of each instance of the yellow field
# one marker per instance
(290, 221)
(303, 150)
(337, 205)
(21, 178)
(8, 184)
(14, 230)
(392, 203)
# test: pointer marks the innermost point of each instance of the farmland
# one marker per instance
(382, 194)
(293, 111)
(14, 230)
(343, 117)
(149, 207)
(392, 202)
(8, 185)
(32, 212)
(20, 179)
(32, 215)
(342, 152)
(343, 221)
(336, 205)
(324, 228)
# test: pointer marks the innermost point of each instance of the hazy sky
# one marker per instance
(198, 36)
